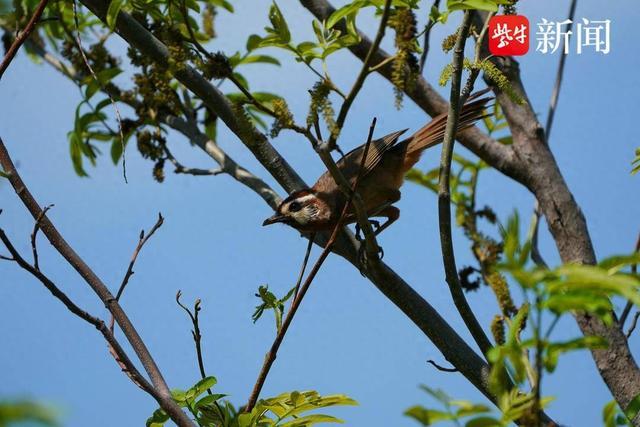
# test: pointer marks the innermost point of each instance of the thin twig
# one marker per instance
(444, 196)
(441, 368)
(142, 239)
(22, 37)
(179, 168)
(555, 94)
(364, 72)
(634, 322)
(427, 34)
(34, 235)
(304, 264)
(60, 244)
(195, 333)
(273, 351)
(536, 256)
(627, 308)
(114, 347)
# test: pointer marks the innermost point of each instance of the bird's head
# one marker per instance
(303, 210)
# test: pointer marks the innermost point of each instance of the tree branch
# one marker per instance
(425, 96)
(22, 37)
(67, 252)
(271, 355)
(444, 196)
(364, 72)
(537, 170)
(115, 348)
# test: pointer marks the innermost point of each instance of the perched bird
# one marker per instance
(319, 208)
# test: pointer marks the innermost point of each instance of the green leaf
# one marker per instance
(158, 418)
(112, 12)
(180, 396)
(116, 150)
(554, 350)
(615, 263)
(3, 174)
(280, 27)
(264, 59)
(633, 408)
(310, 420)
(75, 150)
(351, 9)
(209, 400)
(564, 302)
(592, 278)
(27, 413)
(506, 140)
(253, 42)
(428, 417)
(223, 4)
(467, 408)
(199, 388)
(483, 422)
(193, 5)
(490, 5)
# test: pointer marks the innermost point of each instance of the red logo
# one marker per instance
(508, 35)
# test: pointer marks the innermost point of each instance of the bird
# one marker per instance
(319, 208)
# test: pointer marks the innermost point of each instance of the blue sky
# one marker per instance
(347, 337)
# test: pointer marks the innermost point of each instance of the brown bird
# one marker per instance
(318, 208)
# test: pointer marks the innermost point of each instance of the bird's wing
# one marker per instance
(353, 159)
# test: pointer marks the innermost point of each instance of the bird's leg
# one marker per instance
(373, 222)
(391, 213)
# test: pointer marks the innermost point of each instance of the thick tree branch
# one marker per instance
(138, 36)
(67, 252)
(539, 172)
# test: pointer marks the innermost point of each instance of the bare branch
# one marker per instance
(181, 169)
(304, 265)
(195, 333)
(34, 235)
(444, 196)
(22, 37)
(114, 347)
(553, 102)
(364, 72)
(141, 242)
(59, 243)
(634, 322)
(427, 34)
(441, 368)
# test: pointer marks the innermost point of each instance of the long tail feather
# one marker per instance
(433, 133)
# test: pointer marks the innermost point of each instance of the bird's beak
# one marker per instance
(273, 219)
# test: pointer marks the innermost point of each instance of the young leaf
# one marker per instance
(158, 418)
(112, 12)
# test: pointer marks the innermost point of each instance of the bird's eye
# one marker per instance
(295, 207)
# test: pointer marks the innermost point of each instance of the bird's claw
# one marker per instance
(374, 223)
(363, 258)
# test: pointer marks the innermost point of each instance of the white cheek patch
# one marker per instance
(300, 217)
